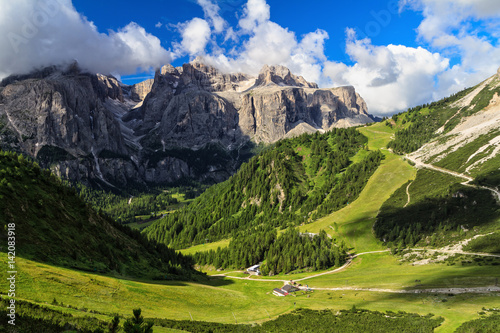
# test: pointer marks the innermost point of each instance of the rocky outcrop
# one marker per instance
(140, 90)
(281, 76)
(59, 118)
(195, 104)
(188, 122)
(63, 111)
(107, 87)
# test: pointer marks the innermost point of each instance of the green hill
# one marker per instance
(454, 142)
(53, 225)
(295, 182)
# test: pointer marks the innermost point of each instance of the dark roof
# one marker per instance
(279, 291)
(289, 288)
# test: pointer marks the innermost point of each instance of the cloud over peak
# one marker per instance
(47, 32)
(458, 46)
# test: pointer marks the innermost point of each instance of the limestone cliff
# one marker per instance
(60, 118)
(140, 90)
(188, 122)
(195, 104)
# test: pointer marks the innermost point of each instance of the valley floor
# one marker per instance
(372, 279)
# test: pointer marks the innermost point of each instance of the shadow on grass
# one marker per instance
(440, 220)
(201, 279)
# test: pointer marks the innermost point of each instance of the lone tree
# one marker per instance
(136, 324)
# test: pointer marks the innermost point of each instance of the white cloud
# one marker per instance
(195, 37)
(390, 78)
(270, 43)
(467, 29)
(211, 11)
(255, 13)
(158, 25)
(261, 42)
(52, 32)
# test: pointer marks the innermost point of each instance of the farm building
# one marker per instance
(255, 269)
(285, 290)
(288, 288)
(278, 292)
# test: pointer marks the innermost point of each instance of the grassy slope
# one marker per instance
(354, 221)
(54, 225)
(250, 301)
(206, 247)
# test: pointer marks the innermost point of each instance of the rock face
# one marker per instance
(195, 104)
(281, 75)
(60, 118)
(139, 91)
(188, 122)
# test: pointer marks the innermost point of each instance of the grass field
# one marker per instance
(249, 301)
(354, 222)
(206, 247)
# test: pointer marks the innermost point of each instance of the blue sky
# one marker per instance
(396, 53)
(368, 17)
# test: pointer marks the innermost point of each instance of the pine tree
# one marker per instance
(136, 324)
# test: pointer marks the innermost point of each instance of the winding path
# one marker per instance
(449, 290)
(419, 164)
(408, 194)
(336, 270)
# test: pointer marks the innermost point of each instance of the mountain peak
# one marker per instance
(281, 76)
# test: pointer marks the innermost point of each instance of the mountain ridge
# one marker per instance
(93, 129)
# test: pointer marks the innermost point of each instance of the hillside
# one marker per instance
(53, 225)
(454, 144)
(295, 182)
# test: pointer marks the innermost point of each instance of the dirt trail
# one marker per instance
(455, 291)
(408, 194)
(419, 164)
(448, 290)
(347, 263)
(447, 251)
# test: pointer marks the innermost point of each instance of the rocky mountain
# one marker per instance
(188, 122)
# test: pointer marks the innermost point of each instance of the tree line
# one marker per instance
(287, 252)
(281, 187)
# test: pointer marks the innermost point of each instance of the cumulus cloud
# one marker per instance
(52, 32)
(390, 78)
(452, 27)
(211, 11)
(195, 37)
(260, 42)
(255, 13)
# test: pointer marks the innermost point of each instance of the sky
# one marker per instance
(396, 53)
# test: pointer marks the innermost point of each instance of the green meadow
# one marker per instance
(228, 300)
(243, 300)
(206, 247)
(353, 223)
